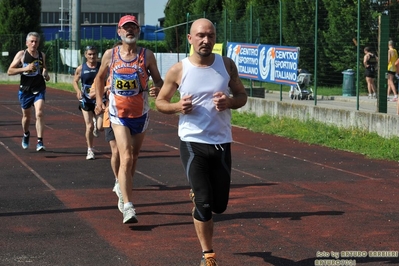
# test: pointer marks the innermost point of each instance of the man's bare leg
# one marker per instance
(124, 144)
(26, 116)
(204, 232)
(39, 104)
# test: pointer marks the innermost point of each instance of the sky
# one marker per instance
(153, 10)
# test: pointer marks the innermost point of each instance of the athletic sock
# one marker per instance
(127, 205)
(39, 139)
(26, 134)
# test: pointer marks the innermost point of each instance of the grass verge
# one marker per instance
(371, 145)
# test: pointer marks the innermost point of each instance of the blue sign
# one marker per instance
(268, 63)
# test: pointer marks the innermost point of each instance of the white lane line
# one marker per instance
(33, 117)
(311, 162)
(249, 174)
(289, 156)
(151, 178)
(141, 173)
(28, 167)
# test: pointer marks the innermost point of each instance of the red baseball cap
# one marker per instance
(127, 19)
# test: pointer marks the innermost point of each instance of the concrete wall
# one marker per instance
(61, 78)
(385, 125)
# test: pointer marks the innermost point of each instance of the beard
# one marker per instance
(205, 53)
(129, 40)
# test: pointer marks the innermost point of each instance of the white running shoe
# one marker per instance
(116, 184)
(129, 216)
(118, 192)
(90, 155)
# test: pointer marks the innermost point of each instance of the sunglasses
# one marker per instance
(90, 48)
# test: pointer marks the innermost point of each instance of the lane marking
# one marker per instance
(289, 156)
(249, 174)
(33, 118)
(151, 178)
(308, 161)
(47, 184)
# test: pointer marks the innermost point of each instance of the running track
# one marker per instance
(290, 203)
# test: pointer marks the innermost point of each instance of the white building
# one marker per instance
(100, 12)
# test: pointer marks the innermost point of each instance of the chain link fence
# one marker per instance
(331, 37)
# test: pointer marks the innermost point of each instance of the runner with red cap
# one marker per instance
(129, 68)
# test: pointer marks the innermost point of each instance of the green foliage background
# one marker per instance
(16, 18)
(248, 21)
(258, 21)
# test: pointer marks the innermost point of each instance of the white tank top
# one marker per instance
(205, 124)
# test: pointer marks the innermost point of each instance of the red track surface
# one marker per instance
(289, 201)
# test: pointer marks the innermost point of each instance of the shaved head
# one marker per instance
(202, 37)
(201, 23)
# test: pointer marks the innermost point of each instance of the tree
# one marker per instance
(298, 29)
(17, 19)
(336, 28)
(235, 12)
(175, 19)
(212, 10)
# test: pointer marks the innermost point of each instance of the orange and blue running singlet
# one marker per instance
(129, 89)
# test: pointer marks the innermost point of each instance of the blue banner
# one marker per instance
(268, 63)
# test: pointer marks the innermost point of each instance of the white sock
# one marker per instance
(127, 205)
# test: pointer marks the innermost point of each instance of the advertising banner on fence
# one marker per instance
(268, 63)
(217, 49)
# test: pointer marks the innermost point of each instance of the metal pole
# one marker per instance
(281, 42)
(188, 14)
(358, 56)
(250, 23)
(225, 26)
(315, 49)
(76, 7)
(383, 38)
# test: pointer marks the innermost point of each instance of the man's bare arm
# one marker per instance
(75, 83)
(240, 97)
(171, 83)
(99, 81)
(15, 67)
(153, 68)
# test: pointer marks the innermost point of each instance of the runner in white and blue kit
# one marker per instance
(31, 65)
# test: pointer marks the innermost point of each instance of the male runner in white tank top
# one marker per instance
(205, 82)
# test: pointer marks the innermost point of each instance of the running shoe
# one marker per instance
(40, 146)
(129, 216)
(95, 132)
(118, 192)
(208, 259)
(25, 142)
(115, 185)
(90, 155)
